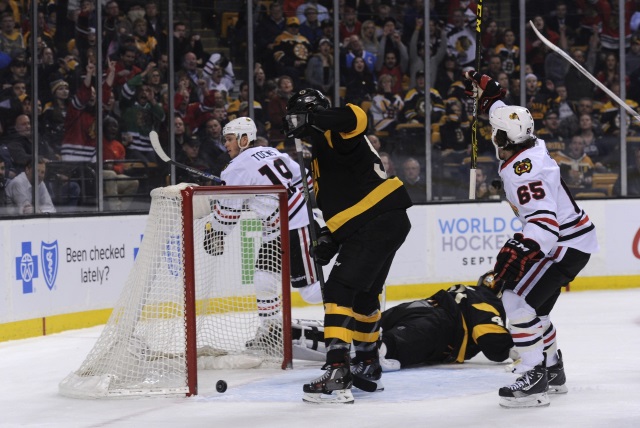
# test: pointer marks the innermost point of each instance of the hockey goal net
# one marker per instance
(184, 307)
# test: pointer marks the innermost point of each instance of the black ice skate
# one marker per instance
(557, 379)
(367, 374)
(529, 390)
(333, 387)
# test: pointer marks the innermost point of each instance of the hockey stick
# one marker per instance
(582, 70)
(312, 224)
(155, 143)
(474, 127)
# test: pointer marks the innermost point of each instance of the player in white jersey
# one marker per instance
(555, 244)
(256, 166)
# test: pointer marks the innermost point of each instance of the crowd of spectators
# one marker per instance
(381, 50)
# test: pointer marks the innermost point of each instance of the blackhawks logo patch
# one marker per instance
(522, 166)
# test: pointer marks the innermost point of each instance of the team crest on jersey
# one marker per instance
(522, 166)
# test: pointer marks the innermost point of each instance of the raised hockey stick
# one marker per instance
(582, 70)
(312, 224)
(474, 127)
(155, 143)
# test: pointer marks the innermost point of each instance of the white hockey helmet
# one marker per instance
(239, 127)
(515, 121)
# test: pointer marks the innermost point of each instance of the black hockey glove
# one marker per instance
(213, 240)
(325, 248)
(516, 257)
(297, 125)
(483, 88)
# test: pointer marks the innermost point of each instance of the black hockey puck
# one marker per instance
(221, 386)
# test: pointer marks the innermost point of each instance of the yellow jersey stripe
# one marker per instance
(368, 318)
(486, 308)
(463, 346)
(341, 333)
(333, 309)
(366, 337)
(327, 135)
(361, 123)
(482, 329)
(375, 196)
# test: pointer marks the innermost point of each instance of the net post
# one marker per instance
(287, 360)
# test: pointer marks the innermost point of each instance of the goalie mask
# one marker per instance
(240, 127)
(511, 125)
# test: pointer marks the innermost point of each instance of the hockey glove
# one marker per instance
(483, 88)
(516, 257)
(213, 240)
(325, 248)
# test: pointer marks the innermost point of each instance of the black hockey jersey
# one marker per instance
(450, 326)
(351, 186)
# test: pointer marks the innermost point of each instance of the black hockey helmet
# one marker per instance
(307, 100)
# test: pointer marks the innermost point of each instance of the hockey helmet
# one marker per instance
(306, 100)
(488, 280)
(239, 127)
(511, 125)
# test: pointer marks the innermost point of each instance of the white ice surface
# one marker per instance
(598, 332)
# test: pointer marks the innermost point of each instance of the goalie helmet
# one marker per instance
(488, 280)
(239, 127)
(306, 100)
(511, 125)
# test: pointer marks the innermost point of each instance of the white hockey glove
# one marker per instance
(213, 240)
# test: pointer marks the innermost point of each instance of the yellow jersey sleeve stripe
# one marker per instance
(341, 333)
(375, 196)
(482, 329)
(366, 337)
(361, 122)
(327, 136)
(333, 309)
(463, 345)
(486, 308)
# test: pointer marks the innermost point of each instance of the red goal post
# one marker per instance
(185, 307)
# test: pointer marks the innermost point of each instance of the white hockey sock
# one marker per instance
(266, 284)
(549, 337)
(526, 331)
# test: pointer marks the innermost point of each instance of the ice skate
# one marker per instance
(529, 390)
(333, 387)
(367, 374)
(557, 378)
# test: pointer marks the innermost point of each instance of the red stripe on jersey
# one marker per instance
(550, 221)
(223, 214)
(583, 221)
(295, 201)
(550, 338)
(521, 335)
(306, 254)
(529, 282)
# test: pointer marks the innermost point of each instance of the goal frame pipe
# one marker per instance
(190, 280)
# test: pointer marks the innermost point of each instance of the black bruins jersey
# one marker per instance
(451, 326)
(351, 186)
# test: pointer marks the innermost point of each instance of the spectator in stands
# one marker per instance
(111, 20)
(494, 66)
(220, 71)
(537, 99)
(259, 80)
(320, 71)
(536, 50)
(349, 25)
(387, 164)
(181, 132)
(392, 67)
(608, 75)
(360, 82)
(578, 85)
(4, 200)
(560, 17)
(268, 28)
(323, 12)
(632, 57)
(447, 73)
(311, 28)
(417, 50)
(277, 109)
(387, 105)
(354, 49)
(413, 180)
(375, 142)
(54, 112)
(289, 7)
(576, 167)
(20, 194)
(461, 39)
(10, 36)
(633, 176)
(291, 52)
(550, 132)
(146, 44)
(18, 72)
(119, 188)
(212, 146)
(366, 10)
(595, 146)
(509, 52)
(184, 42)
(243, 97)
(454, 134)
(415, 102)
(125, 66)
(485, 188)
(571, 124)
(560, 103)
(189, 154)
(19, 143)
(155, 23)
(195, 76)
(397, 64)
(368, 37)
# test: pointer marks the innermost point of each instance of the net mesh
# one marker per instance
(238, 295)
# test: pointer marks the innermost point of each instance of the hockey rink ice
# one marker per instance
(598, 332)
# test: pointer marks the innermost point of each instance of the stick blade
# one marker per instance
(155, 143)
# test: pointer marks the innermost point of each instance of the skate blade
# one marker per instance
(339, 396)
(534, 400)
(367, 385)
(558, 389)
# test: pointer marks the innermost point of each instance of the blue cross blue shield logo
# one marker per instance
(26, 268)
(49, 260)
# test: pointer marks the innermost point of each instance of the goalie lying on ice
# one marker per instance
(450, 326)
